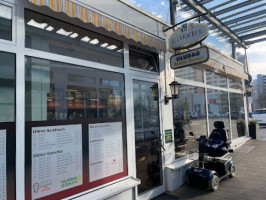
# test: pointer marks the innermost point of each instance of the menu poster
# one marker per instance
(105, 150)
(56, 159)
(3, 192)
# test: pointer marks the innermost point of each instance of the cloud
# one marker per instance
(257, 58)
(159, 16)
(153, 12)
(162, 3)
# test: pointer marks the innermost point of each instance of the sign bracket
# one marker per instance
(200, 15)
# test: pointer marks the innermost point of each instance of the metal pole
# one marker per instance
(173, 11)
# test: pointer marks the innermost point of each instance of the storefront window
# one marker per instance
(48, 34)
(75, 128)
(235, 84)
(142, 59)
(7, 126)
(237, 115)
(215, 79)
(218, 108)
(5, 22)
(190, 73)
(189, 111)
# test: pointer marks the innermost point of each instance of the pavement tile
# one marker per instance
(249, 183)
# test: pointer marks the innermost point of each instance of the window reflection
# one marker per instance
(147, 136)
(57, 91)
(235, 84)
(215, 79)
(5, 22)
(218, 108)
(142, 59)
(189, 112)
(237, 115)
(7, 87)
(47, 34)
(190, 73)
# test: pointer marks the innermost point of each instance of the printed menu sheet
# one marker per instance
(3, 195)
(56, 159)
(105, 150)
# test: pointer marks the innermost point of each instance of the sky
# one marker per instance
(257, 59)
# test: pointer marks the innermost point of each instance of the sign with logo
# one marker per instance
(188, 35)
(168, 136)
(188, 58)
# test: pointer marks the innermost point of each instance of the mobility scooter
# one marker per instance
(212, 166)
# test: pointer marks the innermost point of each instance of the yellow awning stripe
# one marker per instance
(88, 16)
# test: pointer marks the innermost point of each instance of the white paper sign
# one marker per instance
(105, 150)
(3, 194)
(56, 159)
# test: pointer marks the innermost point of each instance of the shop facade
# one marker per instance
(82, 108)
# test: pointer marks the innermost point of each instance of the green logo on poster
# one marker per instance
(70, 181)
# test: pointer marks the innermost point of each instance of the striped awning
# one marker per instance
(87, 15)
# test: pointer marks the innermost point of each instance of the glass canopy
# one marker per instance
(241, 21)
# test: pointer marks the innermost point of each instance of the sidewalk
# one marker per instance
(248, 184)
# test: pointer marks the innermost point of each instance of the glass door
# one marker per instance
(147, 136)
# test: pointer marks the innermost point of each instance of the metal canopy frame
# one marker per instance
(242, 22)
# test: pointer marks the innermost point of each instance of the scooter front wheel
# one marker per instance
(213, 183)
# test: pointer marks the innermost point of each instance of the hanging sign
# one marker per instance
(188, 35)
(188, 58)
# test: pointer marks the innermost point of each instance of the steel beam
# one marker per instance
(250, 16)
(256, 41)
(222, 4)
(248, 21)
(243, 11)
(252, 26)
(235, 7)
(253, 35)
(212, 19)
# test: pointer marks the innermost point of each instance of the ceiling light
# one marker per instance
(74, 35)
(112, 47)
(104, 45)
(85, 39)
(63, 32)
(49, 28)
(36, 24)
(94, 41)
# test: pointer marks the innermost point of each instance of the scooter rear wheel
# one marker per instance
(213, 183)
(232, 171)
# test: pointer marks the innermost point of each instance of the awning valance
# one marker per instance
(88, 15)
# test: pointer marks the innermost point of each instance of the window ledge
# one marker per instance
(179, 164)
(109, 191)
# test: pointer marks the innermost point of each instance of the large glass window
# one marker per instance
(215, 79)
(7, 126)
(218, 108)
(75, 128)
(142, 59)
(189, 111)
(235, 84)
(237, 115)
(5, 22)
(48, 34)
(190, 73)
